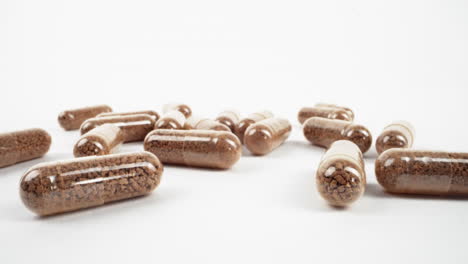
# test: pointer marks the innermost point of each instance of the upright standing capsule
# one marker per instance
(325, 112)
(23, 145)
(72, 119)
(229, 118)
(102, 140)
(341, 178)
(423, 172)
(151, 113)
(134, 127)
(323, 132)
(198, 148)
(195, 122)
(264, 136)
(171, 120)
(58, 187)
(347, 109)
(183, 108)
(398, 134)
(244, 123)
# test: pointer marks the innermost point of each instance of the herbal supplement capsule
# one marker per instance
(325, 112)
(63, 186)
(23, 145)
(151, 113)
(229, 118)
(423, 172)
(102, 140)
(72, 119)
(323, 132)
(198, 148)
(341, 177)
(171, 120)
(183, 108)
(134, 127)
(347, 109)
(195, 122)
(264, 136)
(398, 134)
(249, 120)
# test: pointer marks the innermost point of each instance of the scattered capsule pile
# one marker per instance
(100, 174)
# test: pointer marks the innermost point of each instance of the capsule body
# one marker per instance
(399, 134)
(151, 113)
(183, 108)
(171, 120)
(325, 112)
(323, 132)
(58, 187)
(341, 177)
(102, 140)
(72, 119)
(134, 127)
(348, 110)
(264, 136)
(244, 123)
(197, 148)
(229, 118)
(195, 122)
(23, 145)
(423, 172)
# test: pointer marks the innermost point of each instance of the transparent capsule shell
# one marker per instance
(23, 145)
(229, 118)
(323, 132)
(151, 113)
(63, 186)
(183, 108)
(102, 140)
(408, 171)
(196, 148)
(341, 177)
(348, 110)
(134, 127)
(264, 136)
(171, 120)
(195, 122)
(253, 118)
(325, 112)
(73, 118)
(399, 134)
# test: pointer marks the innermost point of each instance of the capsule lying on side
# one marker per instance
(399, 134)
(325, 112)
(23, 145)
(151, 113)
(134, 127)
(323, 132)
(183, 108)
(264, 136)
(253, 118)
(102, 140)
(229, 118)
(423, 172)
(195, 122)
(171, 120)
(73, 118)
(341, 177)
(348, 110)
(58, 187)
(197, 148)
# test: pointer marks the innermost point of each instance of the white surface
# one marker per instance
(388, 60)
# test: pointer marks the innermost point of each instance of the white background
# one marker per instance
(387, 60)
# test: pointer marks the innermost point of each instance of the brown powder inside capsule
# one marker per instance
(391, 139)
(72, 119)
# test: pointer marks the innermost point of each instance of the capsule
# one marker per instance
(323, 132)
(134, 127)
(102, 140)
(264, 136)
(410, 171)
(249, 120)
(325, 112)
(72, 119)
(23, 145)
(229, 118)
(341, 177)
(347, 109)
(183, 108)
(63, 186)
(399, 134)
(196, 148)
(171, 120)
(195, 122)
(151, 113)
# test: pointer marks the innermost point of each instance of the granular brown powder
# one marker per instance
(151, 113)
(253, 118)
(72, 119)
(229, 118)
(399, 134)
(102, 140)
(325, 112)
(264, 136)
(171, 120)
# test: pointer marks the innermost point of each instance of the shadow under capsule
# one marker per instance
(375, 190)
